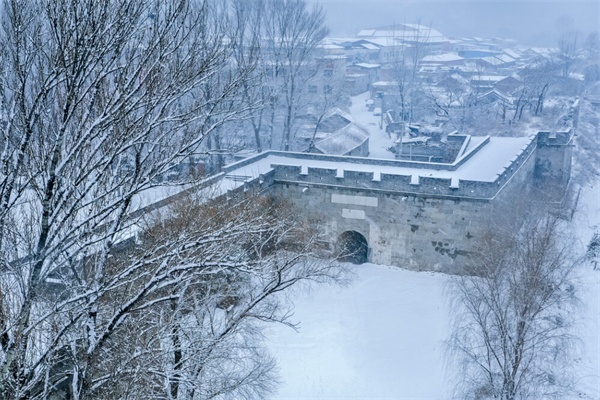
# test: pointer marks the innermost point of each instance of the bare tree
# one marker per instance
(409, 49)
(293, 33)
(592, 52)
(537, 79)
(567, 44)
(98, 102)
(453, 99)
(511, 337)
(333, 94)
(593, 250)
(196, 289)
(257, 92)
(289, 33)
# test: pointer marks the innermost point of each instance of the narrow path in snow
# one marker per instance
(379, 141)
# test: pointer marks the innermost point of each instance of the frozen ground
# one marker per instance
(382, 337)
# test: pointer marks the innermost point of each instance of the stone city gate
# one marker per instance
(413, 214)
(417, 215)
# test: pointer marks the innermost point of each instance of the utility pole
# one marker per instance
(382, 110)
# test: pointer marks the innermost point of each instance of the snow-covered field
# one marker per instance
(379, 338)
(382, 337)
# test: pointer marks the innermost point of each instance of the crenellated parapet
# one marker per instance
(559, 138)
(414, 182)
(553, 162)
(414, 214)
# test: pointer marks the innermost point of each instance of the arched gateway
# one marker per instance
(352, 247)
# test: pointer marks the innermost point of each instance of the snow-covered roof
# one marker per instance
(379, 42)
(488, 78)
(344, 140)
(406, 33)
(459, 78)
(495, 93)
(333, 57)
(506, 58)
(542, 51)
(368, 65)
(369, 46)
(513, 53)
(338, 111)
(367, 32)
(384, 83)
(330, 46)
(339, 40)
(468, 67)
(577, 76)
(446, 57)
(499, 59)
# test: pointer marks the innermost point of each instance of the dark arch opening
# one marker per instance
(352, 247)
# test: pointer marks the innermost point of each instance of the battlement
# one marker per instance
(401, 207)
(402, 184)
(561, 138)
(417, 183)
(483, 168)
(414, 214)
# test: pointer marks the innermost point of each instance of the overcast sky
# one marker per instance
(530, 22)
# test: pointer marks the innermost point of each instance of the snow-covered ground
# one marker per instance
(379, 141)
(586, 221)
(382, 337)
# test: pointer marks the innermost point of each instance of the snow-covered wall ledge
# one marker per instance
(408, 183)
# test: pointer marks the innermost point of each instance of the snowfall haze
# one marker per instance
(183, 182)
(533, 23)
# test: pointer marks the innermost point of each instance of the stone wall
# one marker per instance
(407, 184)
(553, 163)
(418, 223)
(411, 221)
(413, 232)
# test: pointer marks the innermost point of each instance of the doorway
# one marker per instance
(352, 247)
